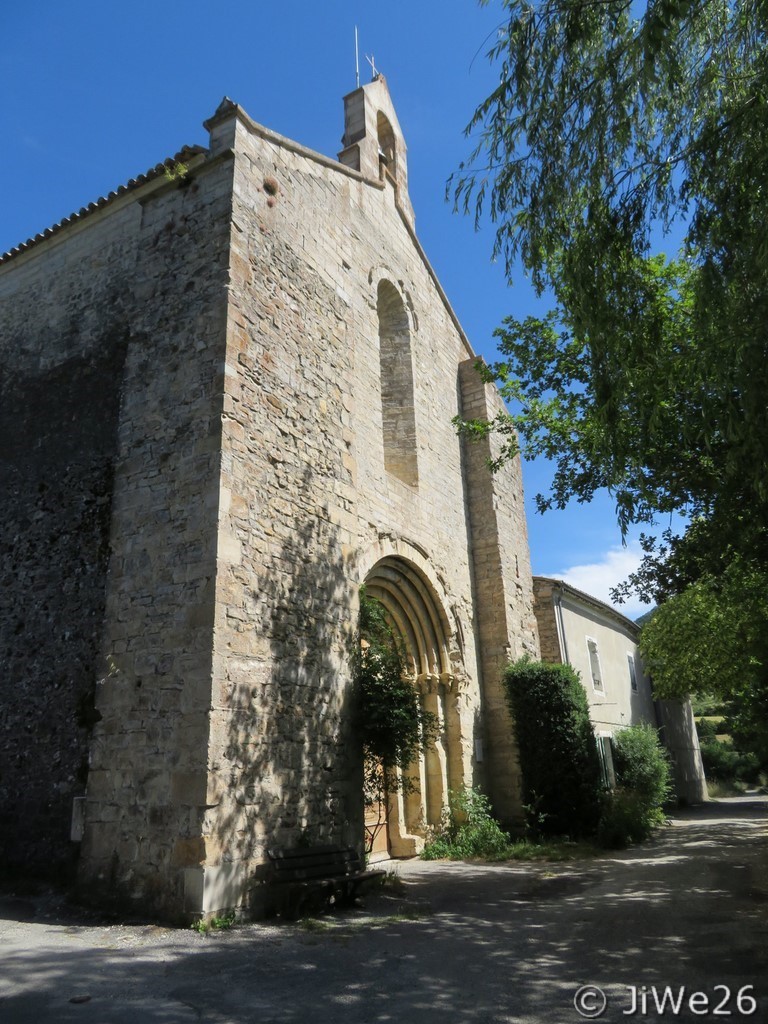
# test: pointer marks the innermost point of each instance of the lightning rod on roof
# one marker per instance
(357, 63)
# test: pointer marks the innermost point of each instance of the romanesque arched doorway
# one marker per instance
(417, 615)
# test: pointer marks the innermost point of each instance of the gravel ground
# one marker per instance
(458, 942)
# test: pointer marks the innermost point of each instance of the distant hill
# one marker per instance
(641, 621)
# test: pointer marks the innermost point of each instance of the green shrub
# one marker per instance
(643, 786)
(467, 829)
(641, 764)
(723, 763)
(706, 727)
(623, 820)
(214, 924)
(562, 784)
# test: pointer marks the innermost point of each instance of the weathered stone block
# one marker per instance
(187, 852)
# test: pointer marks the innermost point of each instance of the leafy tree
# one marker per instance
(392, 724)
(711, 639)
(612, 120)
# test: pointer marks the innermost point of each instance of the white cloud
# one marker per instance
(597, 578)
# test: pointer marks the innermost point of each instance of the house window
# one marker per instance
(632, 673)
(594, 664)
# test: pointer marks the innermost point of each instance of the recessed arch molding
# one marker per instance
(416, 612)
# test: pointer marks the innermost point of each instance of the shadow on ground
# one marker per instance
(465, 942)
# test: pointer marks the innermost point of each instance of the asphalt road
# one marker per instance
(681, 922)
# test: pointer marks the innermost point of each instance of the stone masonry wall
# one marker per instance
(283, 757)
(64, 316)
(308, 504)
(113, 336)
(546, 621)
(236, 497)
(503, 588)
(146, 795)
(682, 740)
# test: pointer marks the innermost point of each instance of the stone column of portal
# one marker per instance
(435, 756)
(418, 799)
(407, 810)
(413, 798)
(453, 734)
(406, 829)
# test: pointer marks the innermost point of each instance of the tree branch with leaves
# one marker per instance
(611, 122)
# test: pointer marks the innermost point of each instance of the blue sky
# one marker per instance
(97, 93)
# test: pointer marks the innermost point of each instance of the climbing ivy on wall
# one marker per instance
(393, 726)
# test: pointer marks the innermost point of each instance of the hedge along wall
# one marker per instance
(558, 753)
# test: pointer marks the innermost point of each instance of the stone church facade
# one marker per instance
(225, 404)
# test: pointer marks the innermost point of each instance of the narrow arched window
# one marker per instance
(397, 407)
(386, 143)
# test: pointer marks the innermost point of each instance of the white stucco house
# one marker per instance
(601, 645)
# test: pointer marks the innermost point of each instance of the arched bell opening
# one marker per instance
(416, 614)
(387, 148)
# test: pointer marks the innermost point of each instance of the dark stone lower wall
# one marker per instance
(57, 445)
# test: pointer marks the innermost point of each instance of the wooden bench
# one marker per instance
(309, 879)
